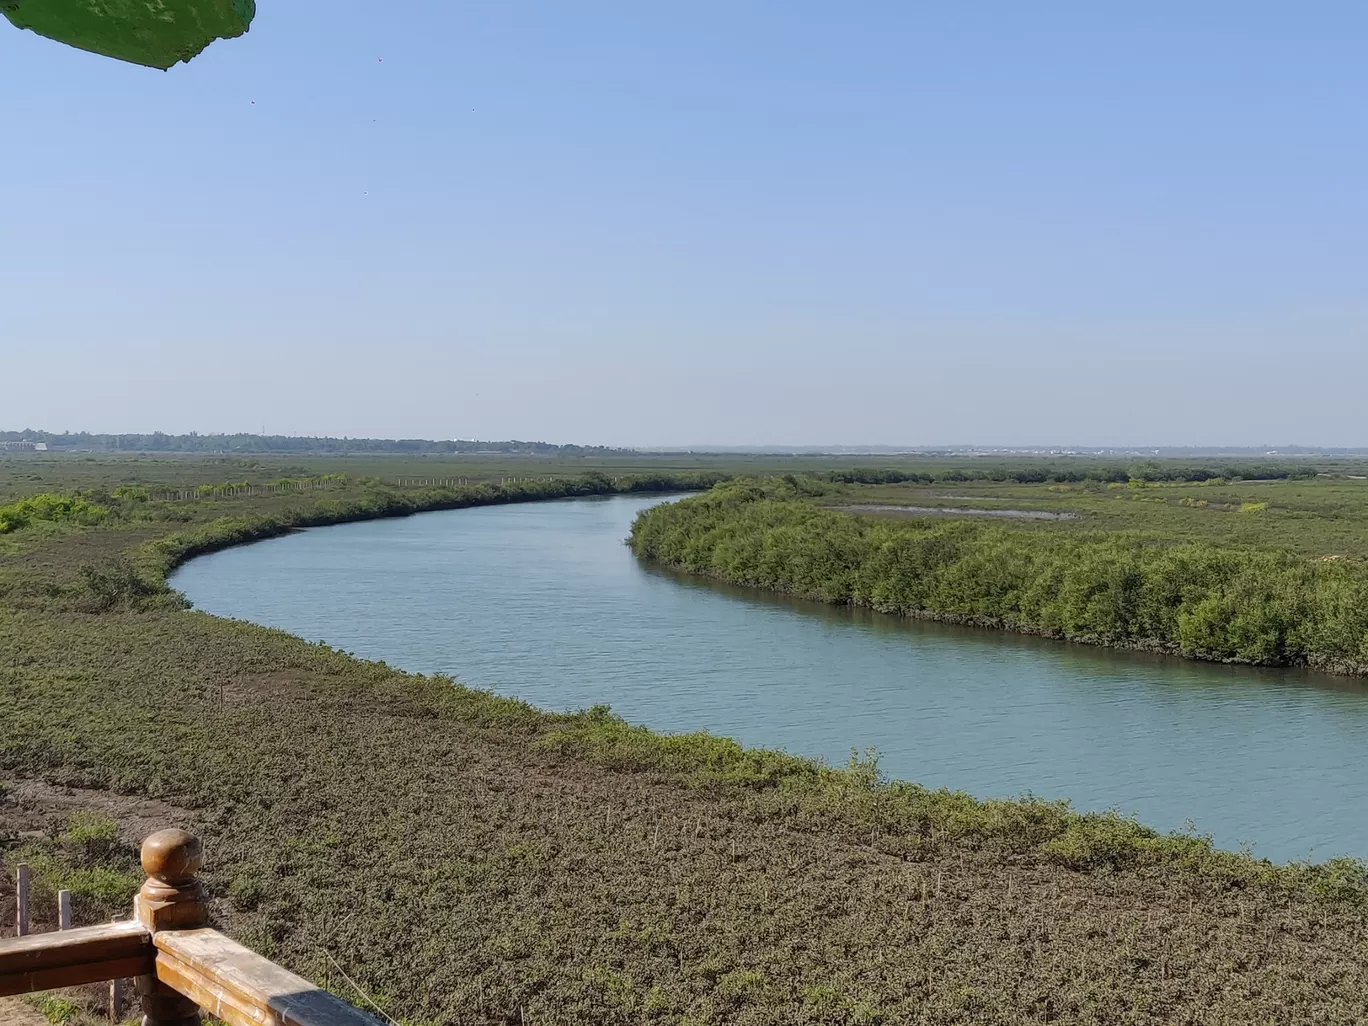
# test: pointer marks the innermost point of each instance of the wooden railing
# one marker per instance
(179, 963)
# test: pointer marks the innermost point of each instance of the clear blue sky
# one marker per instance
(704, 222)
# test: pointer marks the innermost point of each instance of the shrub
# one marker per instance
(117, 584)
(1199, 598)
(246, 892)
(51, 508)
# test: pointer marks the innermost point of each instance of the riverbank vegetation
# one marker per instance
(470, 859)
(1222, 576)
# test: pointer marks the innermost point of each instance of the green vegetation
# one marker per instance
(58, 1010)
(50, 508)
(470, 859)
(162, 472)
(1075, 471)
(156, 35)
(1135, 584)
(81, 853)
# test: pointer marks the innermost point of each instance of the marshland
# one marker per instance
(470, 856)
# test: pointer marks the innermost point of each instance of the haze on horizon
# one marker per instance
(777, 224)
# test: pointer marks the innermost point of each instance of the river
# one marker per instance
(542, 601)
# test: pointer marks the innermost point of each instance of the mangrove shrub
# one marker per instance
(1133, 589)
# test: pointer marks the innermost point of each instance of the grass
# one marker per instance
(470, 859)
(80, 852)
(1322, 516)
(26, 474)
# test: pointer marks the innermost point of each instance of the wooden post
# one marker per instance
(64, 910)
(116, 1000)
(171, 899)
(21, 903)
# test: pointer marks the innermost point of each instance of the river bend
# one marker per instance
(542, 601)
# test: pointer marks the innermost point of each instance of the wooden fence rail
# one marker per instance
(179, 963)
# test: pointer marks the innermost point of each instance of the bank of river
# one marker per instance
(545, 602)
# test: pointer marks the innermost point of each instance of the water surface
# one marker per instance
(543, 601)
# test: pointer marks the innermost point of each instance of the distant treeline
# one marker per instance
(248, 443)
(1127, 589)
(1077, 474)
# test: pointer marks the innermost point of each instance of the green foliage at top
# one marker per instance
(1132, 588)
(52, 508)
(156, 35)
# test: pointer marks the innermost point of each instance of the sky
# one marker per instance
(704, 223)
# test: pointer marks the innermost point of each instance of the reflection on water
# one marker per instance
(543, 601)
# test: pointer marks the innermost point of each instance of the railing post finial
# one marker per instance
(171, 899)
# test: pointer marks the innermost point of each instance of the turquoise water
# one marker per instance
(544, 602)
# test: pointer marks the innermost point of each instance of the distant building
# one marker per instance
(24, 446)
